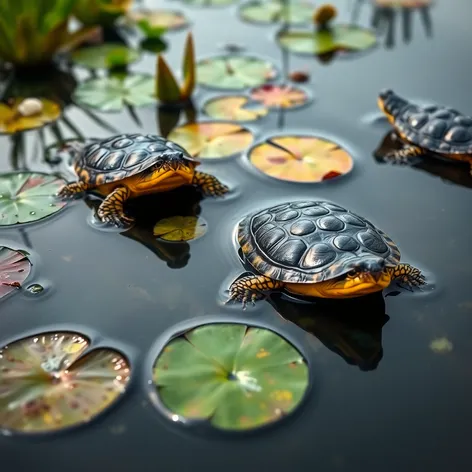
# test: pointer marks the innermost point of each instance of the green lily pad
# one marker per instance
(340, 37)
(105, 56)
(209, 3)
(111, 94)
(274, 11)
(230, 72)
(28, 196)
(235, 376)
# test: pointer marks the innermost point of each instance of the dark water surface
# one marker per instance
(410, 413)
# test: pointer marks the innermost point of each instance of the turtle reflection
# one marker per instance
(350, 328)
(150, 209)
(454, 172)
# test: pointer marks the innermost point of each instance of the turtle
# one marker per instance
(437, 130)
(129, 165)
(316, 248)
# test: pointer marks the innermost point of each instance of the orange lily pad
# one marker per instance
(180, 228)
(212, 139)
(233, 108)
(12, 121)
(298, 158)
(280, 96)
(52, 381)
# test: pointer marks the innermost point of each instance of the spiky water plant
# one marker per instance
(33, 32)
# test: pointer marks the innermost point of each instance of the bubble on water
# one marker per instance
(35, 288)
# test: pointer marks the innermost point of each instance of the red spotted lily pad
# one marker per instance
(233, 108)
(274, 11)
(212, 139)
(14, 270)
(180, 228)
(300, 158)
(234, 72)
(236, 377)
(52, 381)
(346, 38)
(279, 96)
(28, 196)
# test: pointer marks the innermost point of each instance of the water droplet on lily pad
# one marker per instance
(236, 377)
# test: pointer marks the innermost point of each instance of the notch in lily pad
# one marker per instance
(231, 376)
(326, 38)
(168, 90)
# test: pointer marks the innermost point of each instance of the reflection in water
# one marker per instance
(350, 328)
(150, 209)
(168, 117)
(455, 172)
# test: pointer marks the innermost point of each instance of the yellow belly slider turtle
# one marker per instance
(437, 130)
(316, 249)
(130, 165)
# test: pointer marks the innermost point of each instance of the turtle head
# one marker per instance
(391, 104)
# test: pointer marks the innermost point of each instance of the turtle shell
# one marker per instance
(311, 241)
(125, 155)
(438, 129)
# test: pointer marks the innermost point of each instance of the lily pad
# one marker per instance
(235, 376)
(209, 3)
(233, 108)
(300, 158)
(12, 121)
(212, 139)
(105, 56)
(49, 382)
(111, 94)
(14, 270)
(403, 3)
(180, 228)
(275, 11)
(317, 42)
(155, 22)
(230, 72)
(279, 96)
(28, 196)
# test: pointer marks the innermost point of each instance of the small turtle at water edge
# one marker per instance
(317, 249)
(131, 165)
(437, 130)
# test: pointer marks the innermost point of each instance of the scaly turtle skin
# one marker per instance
(441, 131)
(317, 249)
(131, 165)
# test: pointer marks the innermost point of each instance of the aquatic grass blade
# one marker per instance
(167, 88)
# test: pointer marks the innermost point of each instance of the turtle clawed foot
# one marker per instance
(244, 295)
(120, 220)
(216, 190)
(67, 192)
(413, 279)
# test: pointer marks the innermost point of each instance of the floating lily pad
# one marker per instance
(230, 72)
(111, 94)
(340, 37)
(180, 228)
(235, 376)
(12, 121)
(28, 196)
(280, 96)
(105, 56)
(48, 382)
(402, 3)
(156, 22)
(233, 108)
(14, 270)
(274, 11)
(300, 158)
(209, 3)
(212, 139)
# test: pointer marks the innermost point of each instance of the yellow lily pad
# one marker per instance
(12, 121)
(212, 139)
(233, 108)
(160, 19)
(180, 228)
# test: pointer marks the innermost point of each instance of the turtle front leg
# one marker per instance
(111, 209)
(404, 156)
(209, 184)
(69, 190)
(407, 275)
(251, 288)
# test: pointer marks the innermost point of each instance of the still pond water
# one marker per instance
(402, 406)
